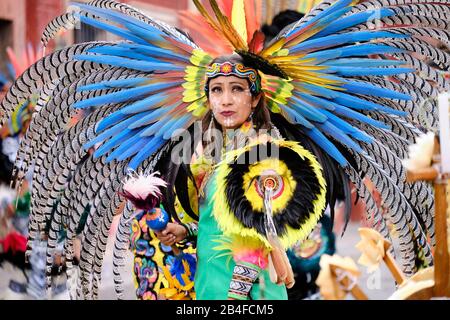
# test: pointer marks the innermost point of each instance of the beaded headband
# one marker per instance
(234, 69)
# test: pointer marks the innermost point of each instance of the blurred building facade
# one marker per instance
(22, 22)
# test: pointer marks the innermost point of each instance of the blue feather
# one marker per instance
(339, 135)
(360, 104)
(338, 5)
(344, 111)
(308, 111)
(128, 147)
(352, 114)
(119, 51)
(129, 63)
(119, 17)
(155, 127)
(115, 141)
(353, 50)
(109, 84)
(297, 118)
(177, 268)
(354, 72)
(148, 103)
(143, 144)
(110, 120)
(148, 35)
(353, 20)
(348, 128)
(316, 101)
(326, 145)
(354, 62)
(325, 21)
(153, 116)
(340, 39)
(145, 151)
(112, 29)
(154, 51)
(372, 90)
(179, 124)
(168, 123)
(350, 101)
(318, 90)
(121, 96)
(109, 132)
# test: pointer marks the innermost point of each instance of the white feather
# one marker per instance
(420, 154)
(140, 186)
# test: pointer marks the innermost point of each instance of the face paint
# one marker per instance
(230, 100)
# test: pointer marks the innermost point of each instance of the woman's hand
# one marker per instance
(172, 234)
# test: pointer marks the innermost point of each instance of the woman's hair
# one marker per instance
(261, 115)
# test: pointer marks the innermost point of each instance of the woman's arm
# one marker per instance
(251, 257)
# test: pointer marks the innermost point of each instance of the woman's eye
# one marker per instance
(238, 89)
(216, 90)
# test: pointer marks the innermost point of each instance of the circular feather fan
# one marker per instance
(298, 196)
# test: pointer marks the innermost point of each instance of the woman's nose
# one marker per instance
(227, 98)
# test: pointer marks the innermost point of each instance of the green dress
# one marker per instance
(214, 269)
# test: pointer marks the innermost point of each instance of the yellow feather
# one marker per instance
(192, 72)
(281, 53)
(238, 19)
(169, 292)
(278, 99)
(273, 48)
(278, 59)
(192, 85)
(274, 107)
(227, 28)
(206, 15)
(301, 68)
(192, 95)
(200, 58)
(198, 108)
(168, 276)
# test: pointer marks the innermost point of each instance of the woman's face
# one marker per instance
(231, 101)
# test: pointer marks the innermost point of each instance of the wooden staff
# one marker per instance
(368, 234)
(389, 260)
(441, 255)
(348, 282)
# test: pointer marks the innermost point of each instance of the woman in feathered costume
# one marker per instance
(341, 85)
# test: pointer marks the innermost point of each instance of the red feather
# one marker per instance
(257, 42)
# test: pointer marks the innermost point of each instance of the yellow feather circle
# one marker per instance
(232, 227)
(252, 195)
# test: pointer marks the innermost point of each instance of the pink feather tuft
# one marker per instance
(144, 191)
(254, 256)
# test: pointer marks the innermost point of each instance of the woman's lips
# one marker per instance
(227, 113)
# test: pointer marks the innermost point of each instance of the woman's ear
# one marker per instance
(256, 100)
